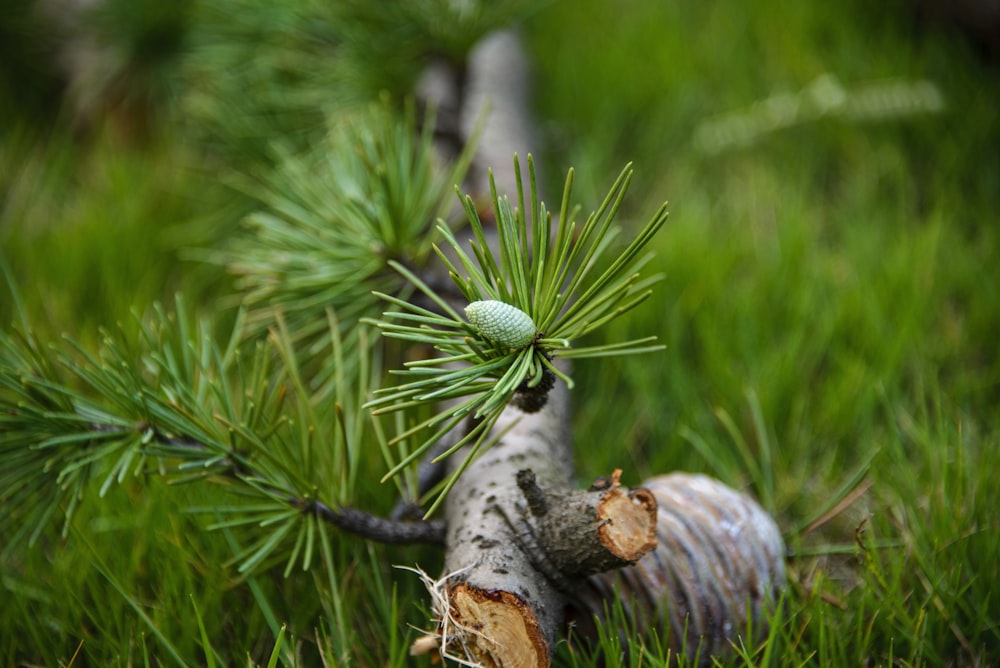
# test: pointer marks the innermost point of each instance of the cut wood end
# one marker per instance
(498, 628)
(627, 522)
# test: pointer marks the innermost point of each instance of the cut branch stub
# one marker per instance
(718, 567)
(587, 532)
(627, 520)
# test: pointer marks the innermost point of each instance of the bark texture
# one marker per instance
(516, 548)
(490, 545)
(624, 521)
(716, 572)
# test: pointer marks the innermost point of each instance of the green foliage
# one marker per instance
(554, 278)
(27, 72)
(137, 44)
(829, 306)
(259, 70)
(103, 231)
(179, 404)
(333, 218)
(825, 308)
(388, 44)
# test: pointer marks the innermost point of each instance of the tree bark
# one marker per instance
(515, 548)
(511, 609)
(716, 573)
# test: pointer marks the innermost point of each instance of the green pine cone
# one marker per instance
(502, 323)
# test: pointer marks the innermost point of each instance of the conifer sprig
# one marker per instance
(329, 221)
(176, 402)
(552, 274)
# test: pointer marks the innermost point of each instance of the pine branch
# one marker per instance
(330, 220)
(179, 405)
(545, 286)
(359, 522)
(381, 529)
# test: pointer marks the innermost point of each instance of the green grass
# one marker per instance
(827, 307)
(830, 306)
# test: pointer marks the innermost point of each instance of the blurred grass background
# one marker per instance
(831, 303)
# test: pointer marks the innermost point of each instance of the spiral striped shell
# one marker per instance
(502, 323)
(720, 556)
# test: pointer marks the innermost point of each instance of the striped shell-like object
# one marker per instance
(717, 568)
(502, 323)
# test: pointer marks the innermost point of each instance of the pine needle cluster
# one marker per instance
(553, 273)
(330, 220)
(180, 404)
